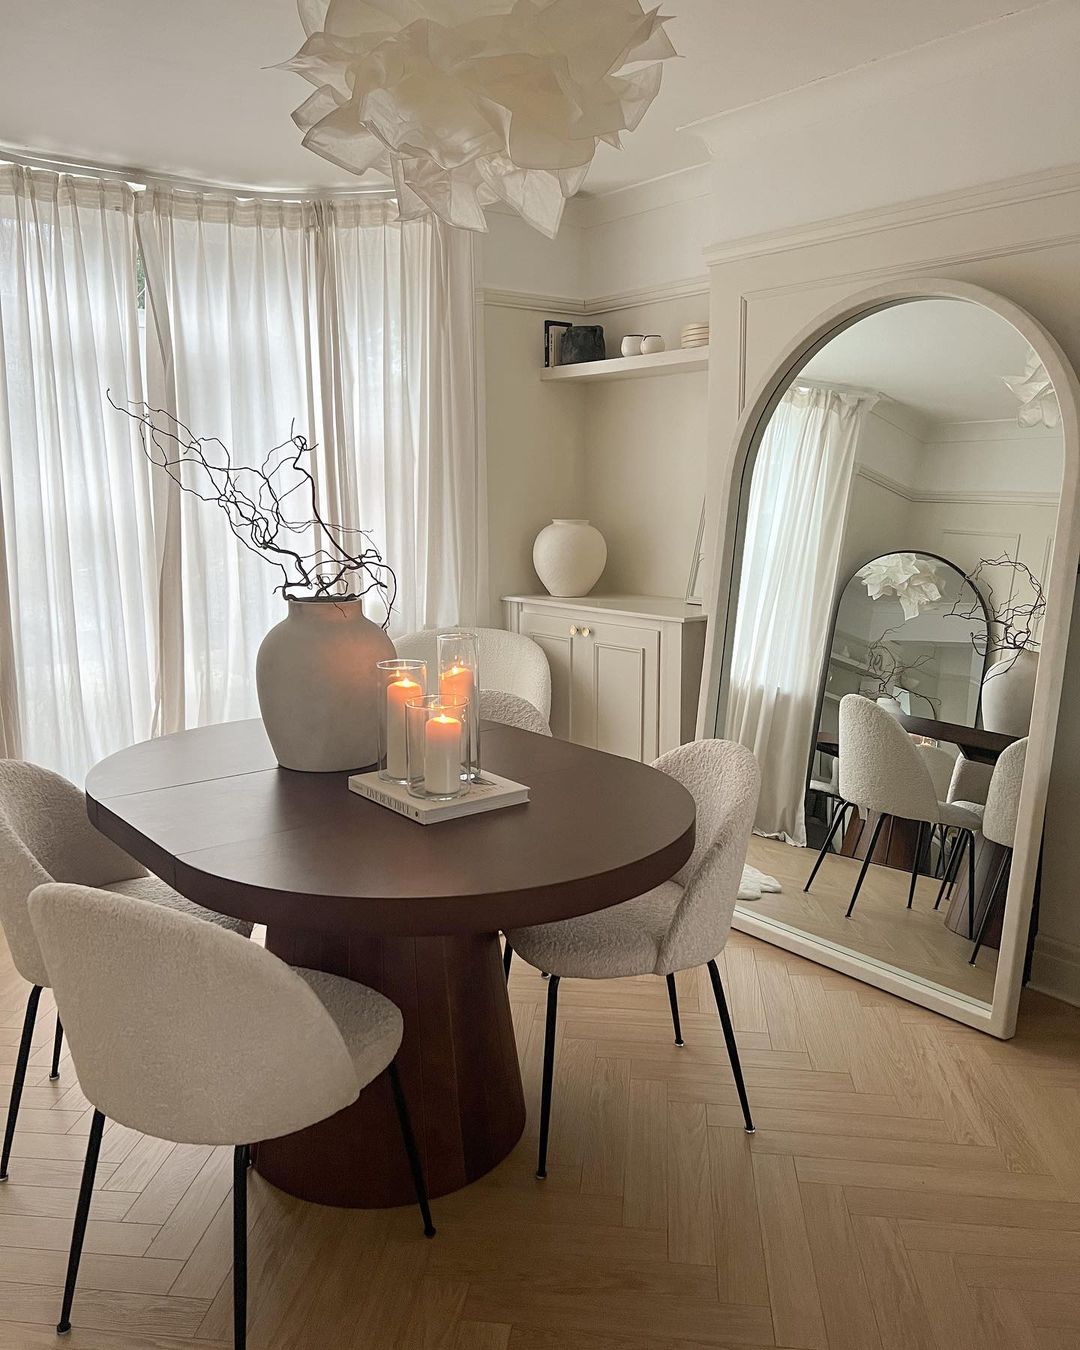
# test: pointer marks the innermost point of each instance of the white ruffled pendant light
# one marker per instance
(464, 103)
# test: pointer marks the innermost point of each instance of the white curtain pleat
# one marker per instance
(799, 497)
(131, 608)
(75, 497)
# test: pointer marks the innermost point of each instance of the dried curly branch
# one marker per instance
(887, 668)
(254, 500)
(1014, 625)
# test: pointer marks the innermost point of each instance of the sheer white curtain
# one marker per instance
(126, 607)
(77, 612)
(358, 330)
(799, 497)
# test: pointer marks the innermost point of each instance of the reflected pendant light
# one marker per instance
(465, 103)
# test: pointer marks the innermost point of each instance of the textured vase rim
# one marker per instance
(567, 520)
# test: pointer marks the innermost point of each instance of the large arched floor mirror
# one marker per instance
(897, 552)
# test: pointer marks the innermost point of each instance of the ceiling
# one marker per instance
(943, 358)
(184, 86)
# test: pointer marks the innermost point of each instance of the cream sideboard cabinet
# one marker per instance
(625, 669)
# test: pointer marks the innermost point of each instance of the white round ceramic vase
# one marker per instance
(569, 556)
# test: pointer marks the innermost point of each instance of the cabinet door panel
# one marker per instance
(552, 635)
(625, 669)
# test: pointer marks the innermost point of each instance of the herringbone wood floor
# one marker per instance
(912, 1186)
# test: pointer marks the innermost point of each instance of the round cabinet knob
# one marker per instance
(585, 632)
(573, 630)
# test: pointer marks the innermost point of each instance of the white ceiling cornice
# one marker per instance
(1013, 38)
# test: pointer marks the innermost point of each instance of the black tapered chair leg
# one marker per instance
(732, 1046)
(549, 1068)
(240, 1227)
(508, 956)
(673, 999)
(971, 885)
(865, 864)
(838, 812)
(985, 920)
(951, 864)
(915, 865)
(19, 1079)
(82, 1213)
(416, 1167)
(57, 1046)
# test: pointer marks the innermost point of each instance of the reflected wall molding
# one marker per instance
(966, 497)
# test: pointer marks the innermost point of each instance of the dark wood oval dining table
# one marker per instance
(413, 911)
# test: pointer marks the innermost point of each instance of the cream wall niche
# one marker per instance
(1020, 239)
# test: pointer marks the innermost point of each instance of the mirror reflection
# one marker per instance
(899, 516)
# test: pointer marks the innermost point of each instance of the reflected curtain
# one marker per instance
(799, 497)
(77, 612)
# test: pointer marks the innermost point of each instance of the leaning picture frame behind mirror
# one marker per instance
(726, 522)
(697, 564)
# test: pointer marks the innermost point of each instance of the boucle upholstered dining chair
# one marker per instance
(999, 822)
(497, 705)
(510, 662)
(184, 1031)
(881, 770)
(45, 835)
(680, 924)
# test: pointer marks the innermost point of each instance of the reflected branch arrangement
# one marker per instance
(1014, 624)
(888, 669)
(272, 508)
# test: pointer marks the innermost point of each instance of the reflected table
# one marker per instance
(413, 911)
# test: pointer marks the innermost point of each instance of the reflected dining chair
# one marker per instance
(999, 823)
(510, 662)
(45, 835)
(882, 771)
(968, 787)
(184, 1031)
(680, 924)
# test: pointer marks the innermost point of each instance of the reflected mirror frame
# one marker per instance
(838, 601)
(726, 526)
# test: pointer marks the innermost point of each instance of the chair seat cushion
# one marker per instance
(967, 815)
(370, 1025)
(159, 892)
(622, 940)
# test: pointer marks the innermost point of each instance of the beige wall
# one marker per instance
(535, 460)
(1022, 242)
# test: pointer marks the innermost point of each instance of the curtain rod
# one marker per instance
(140, 178)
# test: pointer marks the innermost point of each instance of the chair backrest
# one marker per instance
(723, 779)
(940, 764)
(970, 781)
(880, 765)
(183, 1030)
(45, 835)
(1003, 799)
(510, 662)
(498, 706)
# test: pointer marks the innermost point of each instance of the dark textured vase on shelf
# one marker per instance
(581, 342)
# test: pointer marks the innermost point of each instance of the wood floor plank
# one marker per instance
(645, 1202)
(793, 1293)
(902, 1320)
(740, 1254)
(603, 1156)
(689, 1199)
(845, 1299)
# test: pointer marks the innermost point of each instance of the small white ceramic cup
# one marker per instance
(651, 344)
(631, 344)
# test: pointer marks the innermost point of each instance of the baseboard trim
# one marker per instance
(1055, 969)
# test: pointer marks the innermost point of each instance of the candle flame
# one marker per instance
(442, 717)
(406, 683)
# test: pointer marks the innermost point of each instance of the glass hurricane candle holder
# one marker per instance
(400, 682)
(459, 677)
(437, 746)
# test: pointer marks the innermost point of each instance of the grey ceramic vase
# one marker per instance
(317, 686)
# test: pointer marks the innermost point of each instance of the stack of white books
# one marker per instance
(488, 793)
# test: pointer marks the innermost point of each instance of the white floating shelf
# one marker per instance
(679, 362)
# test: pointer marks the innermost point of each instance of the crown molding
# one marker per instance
(652, 194)
(956, 497)
(604, 304)
(962, 201)
(1008, 39)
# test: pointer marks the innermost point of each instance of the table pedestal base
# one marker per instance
(458, 1065)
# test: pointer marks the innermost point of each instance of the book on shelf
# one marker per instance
(489, 793)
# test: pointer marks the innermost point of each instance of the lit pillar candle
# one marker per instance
(457, 682)
(398, 693)
(442, 755)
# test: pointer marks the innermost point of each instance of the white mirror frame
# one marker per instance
(999, 1019)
